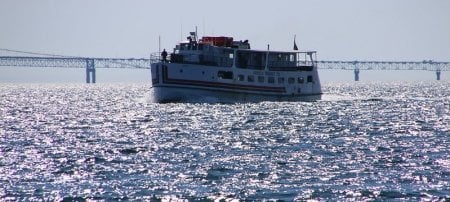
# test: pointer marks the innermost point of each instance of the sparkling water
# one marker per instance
(362, 141)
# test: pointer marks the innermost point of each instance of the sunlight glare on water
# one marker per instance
(110, 142)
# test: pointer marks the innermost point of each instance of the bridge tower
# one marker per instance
(438, 74)
(90, 70)
(356, 71)
(356, 74)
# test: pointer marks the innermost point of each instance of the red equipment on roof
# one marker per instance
(218, 40)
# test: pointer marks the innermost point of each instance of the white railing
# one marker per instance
(156, 58)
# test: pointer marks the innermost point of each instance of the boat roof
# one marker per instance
(252, 50)
(243, 50)
(271, 51)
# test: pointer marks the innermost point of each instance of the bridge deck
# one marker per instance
(142, 63)
(92, 63)
(74, 62)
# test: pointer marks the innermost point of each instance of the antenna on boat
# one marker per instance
(196, 38)
(159, 44)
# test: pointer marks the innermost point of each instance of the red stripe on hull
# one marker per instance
(167, 80)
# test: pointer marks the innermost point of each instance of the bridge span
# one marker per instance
(357, 66)
(90, 64)
(75, 62)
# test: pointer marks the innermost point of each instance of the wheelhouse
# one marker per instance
(224, 52)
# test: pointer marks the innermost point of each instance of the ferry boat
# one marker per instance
(220, 69)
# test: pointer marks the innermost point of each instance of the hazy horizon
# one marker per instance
(392, 30)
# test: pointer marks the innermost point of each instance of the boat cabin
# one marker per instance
(225, 52)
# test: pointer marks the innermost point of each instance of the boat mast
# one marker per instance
(196, 37)
(267, 58)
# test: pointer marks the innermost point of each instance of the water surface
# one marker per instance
(110, 142)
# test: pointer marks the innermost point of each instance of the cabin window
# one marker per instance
(226, 60)
(261, 79)
(283, 62)
(280, 79)
(291, 80)
(271, 80)
(301, 80)
(184, 46)
(225, 75)
(292, 58)
(242, 59)
(251, 60)
(257, 61)
(240, 78)
(250, 78)
(309, 79)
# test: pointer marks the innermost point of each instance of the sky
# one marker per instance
(406, 30)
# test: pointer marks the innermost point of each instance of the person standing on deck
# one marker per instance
(164, 55)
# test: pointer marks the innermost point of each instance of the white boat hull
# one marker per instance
(195, 83)
(193, 95)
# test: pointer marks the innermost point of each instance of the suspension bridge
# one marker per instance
(60, 61)
(91, 63)
(357, 66)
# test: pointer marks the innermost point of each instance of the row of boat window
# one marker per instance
(262, 79)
